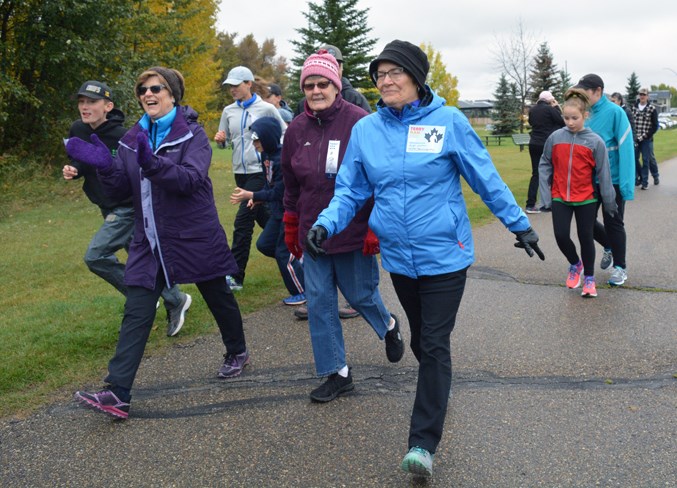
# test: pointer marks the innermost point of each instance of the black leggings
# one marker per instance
(585, 225)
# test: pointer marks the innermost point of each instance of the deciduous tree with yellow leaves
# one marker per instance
(438, 78)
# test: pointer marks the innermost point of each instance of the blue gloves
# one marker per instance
(528, 240)
(316, 236)
(95, 154)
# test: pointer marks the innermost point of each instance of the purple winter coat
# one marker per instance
(192, 243)
(307, 190)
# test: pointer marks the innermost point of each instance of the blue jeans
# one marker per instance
(645, 148)
(114, 234)
(271, 243)
(357, 276)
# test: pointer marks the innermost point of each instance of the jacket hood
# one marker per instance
(269, 131)
(116, 115)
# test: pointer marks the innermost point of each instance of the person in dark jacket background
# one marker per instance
(266, 133)
(313, 148)
(162, 163)
(544, 118)
(99, 116)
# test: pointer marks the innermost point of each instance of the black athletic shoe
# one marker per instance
(333, 387)
(394, 343)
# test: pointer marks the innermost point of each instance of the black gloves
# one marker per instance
(316, 236)
(528, 240)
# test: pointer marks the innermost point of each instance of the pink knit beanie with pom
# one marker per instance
(321, 64)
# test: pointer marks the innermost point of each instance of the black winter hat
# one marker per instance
(405, 54)
(174, 79)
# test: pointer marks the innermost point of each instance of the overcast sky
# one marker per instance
(610, 38)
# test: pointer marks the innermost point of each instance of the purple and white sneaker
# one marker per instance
(233, 364)
(104, 401)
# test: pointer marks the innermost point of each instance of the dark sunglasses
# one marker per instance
(155, 89)
(322, 85)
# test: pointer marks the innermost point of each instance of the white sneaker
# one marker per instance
(618, 276)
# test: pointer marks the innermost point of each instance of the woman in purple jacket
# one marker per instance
(162, 163)
(313, 147)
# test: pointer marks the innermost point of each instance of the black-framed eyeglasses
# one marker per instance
(322, 85)
(154, 89)
(643, 94)
(394, 74)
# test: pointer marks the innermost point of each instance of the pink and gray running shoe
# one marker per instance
(104, 401)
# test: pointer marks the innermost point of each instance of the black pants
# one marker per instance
(138, 322)
(243, 227)
(612, 235)
(431, 304)
(535, 153)
(585, 224)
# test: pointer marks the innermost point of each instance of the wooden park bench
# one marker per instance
(521, 140)
(495, 138)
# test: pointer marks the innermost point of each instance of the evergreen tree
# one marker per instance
(506, 112)
(341, 24)
(543, 75)
(562, 85)
(632, 89)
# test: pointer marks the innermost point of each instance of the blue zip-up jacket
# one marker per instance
(269, 133)
(609, 121)
(412, 165)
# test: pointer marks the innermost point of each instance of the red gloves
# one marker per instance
(291, 233)
(371, 244)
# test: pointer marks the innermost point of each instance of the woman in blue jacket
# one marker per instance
(410, 155)
(162, 163)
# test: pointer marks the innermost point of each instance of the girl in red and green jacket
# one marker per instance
(574, 174)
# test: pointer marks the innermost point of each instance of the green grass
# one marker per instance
(60, 321)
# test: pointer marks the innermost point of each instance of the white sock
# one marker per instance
(343, 372)
(391, 324)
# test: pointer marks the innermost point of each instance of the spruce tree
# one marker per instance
(543, 74)
(632, 89)
(341, 24)
(563, 84)
(506, 112)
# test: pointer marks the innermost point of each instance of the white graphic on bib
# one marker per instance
(425, 138)
(331, 167)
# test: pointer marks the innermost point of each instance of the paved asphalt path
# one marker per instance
(550, 389)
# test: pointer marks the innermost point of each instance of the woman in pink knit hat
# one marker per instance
(313, 148)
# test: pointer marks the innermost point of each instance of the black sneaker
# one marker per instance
(394, 343)
(333, 387)
(656, 180)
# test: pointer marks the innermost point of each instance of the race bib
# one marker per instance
(331, 166)
(425, 138)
